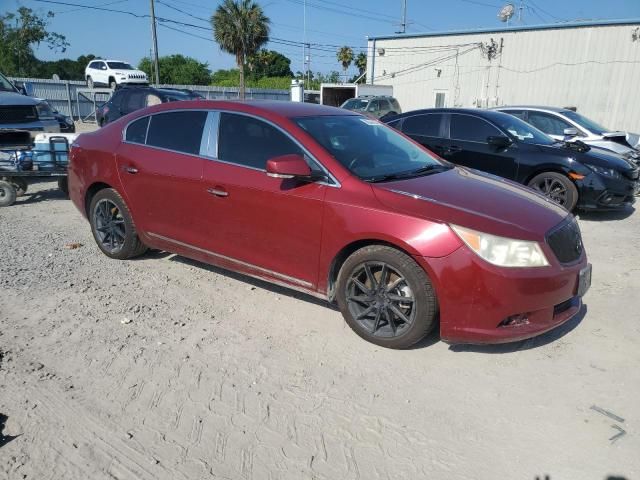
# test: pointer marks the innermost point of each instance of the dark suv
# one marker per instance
(571, 174)
(129, 99)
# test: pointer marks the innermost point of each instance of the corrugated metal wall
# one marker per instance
(595, 69)
(63, 95)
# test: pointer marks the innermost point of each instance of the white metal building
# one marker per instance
(592, 66)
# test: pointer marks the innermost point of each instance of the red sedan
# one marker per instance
(339, 206)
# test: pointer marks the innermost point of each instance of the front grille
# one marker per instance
(565, 241)
(17, 114)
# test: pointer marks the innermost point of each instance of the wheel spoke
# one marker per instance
(361, 299)
(390, 321)
(363, 288)
(400, 298)
(376, 322)
(370, 276)
(384, 274)
(394, 284)
(365, 312)
(399, 313)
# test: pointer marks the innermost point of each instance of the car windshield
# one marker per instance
(369, 149)
(585, 122)
(355, 104)
(522, 131)
(119, 66)
(5, 84)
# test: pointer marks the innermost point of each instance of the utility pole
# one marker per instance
(403, 22)
(155, 43)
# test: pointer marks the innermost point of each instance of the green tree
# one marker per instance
(345, 57)
(178, 70)
(65, 68)
(240, 27)
(19, 32)
(361, 63)
(269, 63)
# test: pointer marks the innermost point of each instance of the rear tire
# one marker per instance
(63, 185)
(112, 226)
(112, 84)
(557, 188)
(90, 82)
(386, 297)
(8, 194)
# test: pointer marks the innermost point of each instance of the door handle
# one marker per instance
(218, 192)
(131, 170)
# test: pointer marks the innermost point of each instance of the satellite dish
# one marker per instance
(506, 12)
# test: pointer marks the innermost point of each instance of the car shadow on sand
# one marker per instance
(41, 196)
(534, 342)
(606, 215)
(262, 284)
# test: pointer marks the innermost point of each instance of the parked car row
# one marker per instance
(571, 174)
(340, 206)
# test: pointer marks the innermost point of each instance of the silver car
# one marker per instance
(565, 124)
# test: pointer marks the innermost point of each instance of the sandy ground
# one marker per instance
(220, 376)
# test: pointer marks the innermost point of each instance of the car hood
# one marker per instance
(11, 98)
(475, 200)
(594, 156)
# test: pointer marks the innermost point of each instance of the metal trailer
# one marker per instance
(22, 161)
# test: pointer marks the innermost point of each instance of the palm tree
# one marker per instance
(345, 57)
(361, 63)
(240, 27)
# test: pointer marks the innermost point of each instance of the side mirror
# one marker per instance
(499, 141)
(288, 166)
(570, 132)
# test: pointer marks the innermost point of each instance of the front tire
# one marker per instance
(112, 226)
(90, 82)
(386, 297)
(112, 84)
(557, 188)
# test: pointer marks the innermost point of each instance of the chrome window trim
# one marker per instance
(209, 142)
(215, 131)
(282, 276)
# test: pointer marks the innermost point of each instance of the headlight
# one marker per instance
(607, 172)
(501, 251)
(44, 111)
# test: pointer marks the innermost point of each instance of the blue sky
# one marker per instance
(329, 22)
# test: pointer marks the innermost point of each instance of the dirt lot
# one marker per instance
(219, 376)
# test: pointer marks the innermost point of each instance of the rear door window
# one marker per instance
(137, 131)
(251, 142)
(516, 113)
(178, 131)
(427, 125)
(471, 129)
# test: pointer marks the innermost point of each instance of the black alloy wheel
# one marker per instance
(112, 226)
(386, 297)
(109, 225)
(380, 299)
(557, 188)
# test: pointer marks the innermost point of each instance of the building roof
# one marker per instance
(519, 28)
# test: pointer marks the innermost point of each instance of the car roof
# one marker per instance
(480, 112)
(532, 107)
(278, 107)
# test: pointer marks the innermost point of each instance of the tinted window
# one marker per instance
(119, 66)
(93, 65)
(395, 124)
(134, 100)
(251, 142)
(179, 131)
(471, 129)
(374, 106)
(137, 131)
(585, 122)
(549, 124)
(395, 105)
(426, 125)
(116, 99)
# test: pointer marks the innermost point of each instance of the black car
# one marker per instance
(572, 174)
(128, 99)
